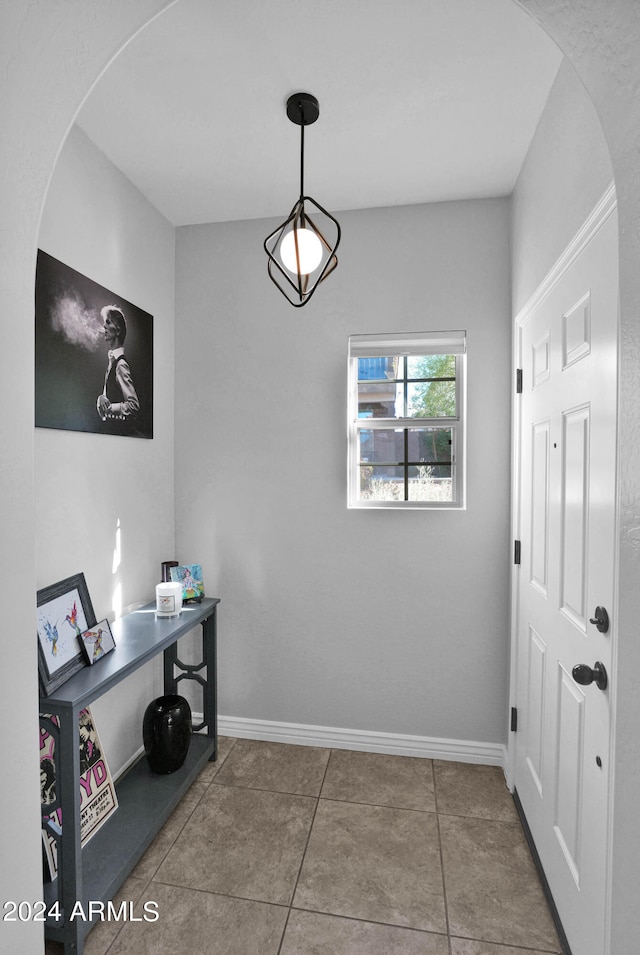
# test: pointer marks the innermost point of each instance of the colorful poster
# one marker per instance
(98, 799)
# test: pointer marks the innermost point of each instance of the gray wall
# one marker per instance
(98, 494)
(366, 620)
(566, 171)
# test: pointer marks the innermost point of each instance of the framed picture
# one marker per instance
(97, 641)
(64, 613)
(190, 576)
(94, 356)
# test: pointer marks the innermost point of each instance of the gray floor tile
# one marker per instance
(466, 789)
(466, 946)
(374, 863)
(492, 888)
(309, 933)
(242, 842)
(198, 923)
(280, 767)
(101, 936)
(380, 780)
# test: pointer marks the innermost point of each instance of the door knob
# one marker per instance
(584, 675)
(600, 619)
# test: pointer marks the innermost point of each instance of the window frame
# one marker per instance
(407, 344)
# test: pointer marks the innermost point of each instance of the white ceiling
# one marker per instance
(420, 101)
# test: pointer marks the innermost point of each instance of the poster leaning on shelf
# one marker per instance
(98, 799)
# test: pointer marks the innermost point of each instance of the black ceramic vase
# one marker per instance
(166, 732)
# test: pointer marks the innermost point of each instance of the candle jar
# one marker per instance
(168, 598)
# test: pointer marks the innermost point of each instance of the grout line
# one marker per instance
(262, 789)
(222, 895)
(364, 921)
(525, 949)
(444, 881)
(379, 805)
(306, 846)
(120, 929)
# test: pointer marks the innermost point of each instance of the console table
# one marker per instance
(146, 800)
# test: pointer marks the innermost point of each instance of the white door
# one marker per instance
(567, 528)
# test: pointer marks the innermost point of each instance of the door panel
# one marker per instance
(575, 515)
(535, 708)
(567, 824)
(577, 330)
(540, 505)
(568, 348)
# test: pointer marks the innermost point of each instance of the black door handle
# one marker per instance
(584, 675)
(600, 619)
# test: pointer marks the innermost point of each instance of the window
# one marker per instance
(406, 420)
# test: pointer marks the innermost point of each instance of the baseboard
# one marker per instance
(395, 744)
(331, 737)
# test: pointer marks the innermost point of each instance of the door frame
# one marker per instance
(600, 213)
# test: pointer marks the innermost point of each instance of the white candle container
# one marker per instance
(168, 598)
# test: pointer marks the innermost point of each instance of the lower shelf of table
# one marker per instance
(145, 802)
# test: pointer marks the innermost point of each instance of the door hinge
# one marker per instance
(514, 719)
(518, 381)
(516, 552)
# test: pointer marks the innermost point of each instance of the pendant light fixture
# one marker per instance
(302, 250)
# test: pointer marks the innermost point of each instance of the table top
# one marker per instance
(138, 636)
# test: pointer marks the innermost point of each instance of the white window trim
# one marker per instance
(413, 343)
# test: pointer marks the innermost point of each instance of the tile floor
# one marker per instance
(296, 850)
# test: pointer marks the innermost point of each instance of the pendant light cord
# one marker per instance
(301, 150)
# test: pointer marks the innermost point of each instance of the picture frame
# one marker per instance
(64, 612)
(190, 576)
(97, 641)
(85, 379)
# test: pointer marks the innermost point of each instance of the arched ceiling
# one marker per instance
(420, 101)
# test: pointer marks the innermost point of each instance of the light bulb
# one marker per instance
(309, 250)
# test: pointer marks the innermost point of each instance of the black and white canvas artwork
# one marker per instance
(94, 356)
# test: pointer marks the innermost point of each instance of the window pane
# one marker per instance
(429, 445)
(386, 445)
(376, 400)
(431, 366)
(431, 399)
(377, 369)
(427, 483)
(381, 484)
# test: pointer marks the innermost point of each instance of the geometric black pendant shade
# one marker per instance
(302, 251)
